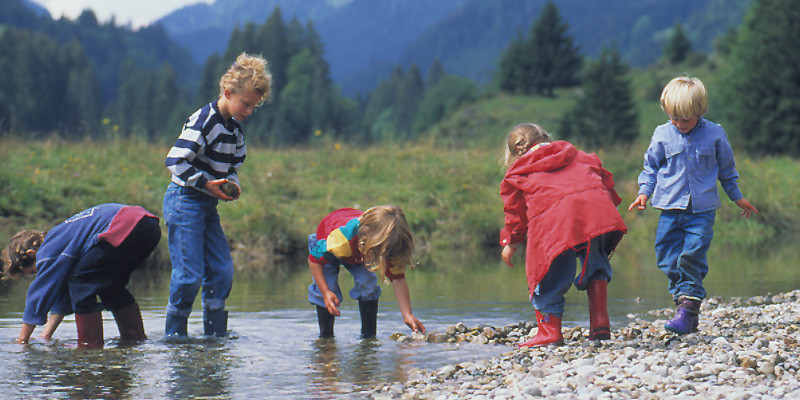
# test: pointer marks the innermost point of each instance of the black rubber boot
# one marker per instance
(176, 326)
(326, 321)
(215, 323)
(369, 317)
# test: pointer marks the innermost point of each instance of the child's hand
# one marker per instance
(508, 252)
(414, 324)
(331, 302)
(747, 207)
(213, 187)
(640, 202)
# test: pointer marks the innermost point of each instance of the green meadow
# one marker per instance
(447, 184)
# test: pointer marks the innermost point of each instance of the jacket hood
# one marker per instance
(547, 157)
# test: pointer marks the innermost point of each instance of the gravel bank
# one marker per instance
(746, 349)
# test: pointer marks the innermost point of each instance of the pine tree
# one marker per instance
(408, 98)
(510, 76)
(545, 60)
(208, 88)
(762, 92)
(605, 113)
(551, 58)
(435, 73)
(679, 46)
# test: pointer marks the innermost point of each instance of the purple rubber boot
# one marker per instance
(687, 317)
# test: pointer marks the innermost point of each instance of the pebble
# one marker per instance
(745, 349)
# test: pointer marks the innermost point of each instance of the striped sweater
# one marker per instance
(208, 148)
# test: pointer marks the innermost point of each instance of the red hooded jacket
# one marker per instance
(559, 197)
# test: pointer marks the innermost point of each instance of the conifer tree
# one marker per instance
(678, 47)
(605, 112)
(551, 58)
(435, 73)
(511, 78)
(407, 101)
(762, 91)
(545, 60)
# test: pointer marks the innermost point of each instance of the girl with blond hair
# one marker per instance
(376, 240)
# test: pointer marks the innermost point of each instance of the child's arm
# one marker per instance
(53, 321)
(640, 202)
(331, 301)
(746, 206)
(404, 302)
(25, 333)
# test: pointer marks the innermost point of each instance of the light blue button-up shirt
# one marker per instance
(680, 170)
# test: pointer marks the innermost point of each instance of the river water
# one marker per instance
(274, 353)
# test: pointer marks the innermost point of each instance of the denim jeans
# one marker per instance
(548, 297)
(682, 242)
(198, 251)
(104, 270)
(365, 283)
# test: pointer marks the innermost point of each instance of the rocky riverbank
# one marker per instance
(746, 349)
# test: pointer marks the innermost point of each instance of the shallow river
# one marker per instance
(273, 351)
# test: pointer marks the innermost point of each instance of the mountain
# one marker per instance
(359, 35)
(205, 28)
(470, 41)
(366, 39)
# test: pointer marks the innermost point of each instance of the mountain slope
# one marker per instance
(204, 28)
(470, 42)
(366, 39)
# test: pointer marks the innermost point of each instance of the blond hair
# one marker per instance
(247, 73)
(684, 98)
(385, 238)
(521, 138)
(20, 253)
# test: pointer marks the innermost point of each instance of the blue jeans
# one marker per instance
(104, 270)
(198, 251)
(548, 297)
(682, 242)
(365, 283)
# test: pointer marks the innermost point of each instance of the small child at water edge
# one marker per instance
(686, 157)
(92, 254)
(378, 239)
(204, 163)
(564, 201)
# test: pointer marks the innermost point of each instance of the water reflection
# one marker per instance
(82, 373)
(199, 368)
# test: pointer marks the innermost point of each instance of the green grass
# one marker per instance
(449, 193)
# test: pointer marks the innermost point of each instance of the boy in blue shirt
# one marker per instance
(685, 159)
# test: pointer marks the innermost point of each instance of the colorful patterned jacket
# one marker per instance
(337, 242)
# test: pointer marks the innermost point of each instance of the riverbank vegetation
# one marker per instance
(448, 191)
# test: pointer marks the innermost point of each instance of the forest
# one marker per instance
(85, 79)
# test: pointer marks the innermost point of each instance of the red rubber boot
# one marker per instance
(599, 326)
(90, 329)
(129, 322)
(548, 331)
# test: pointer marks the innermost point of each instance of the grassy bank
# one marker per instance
(449, 193)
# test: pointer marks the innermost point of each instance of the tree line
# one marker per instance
(52, 86)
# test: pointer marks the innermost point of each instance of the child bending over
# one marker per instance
(564, 201)
(378, 239)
